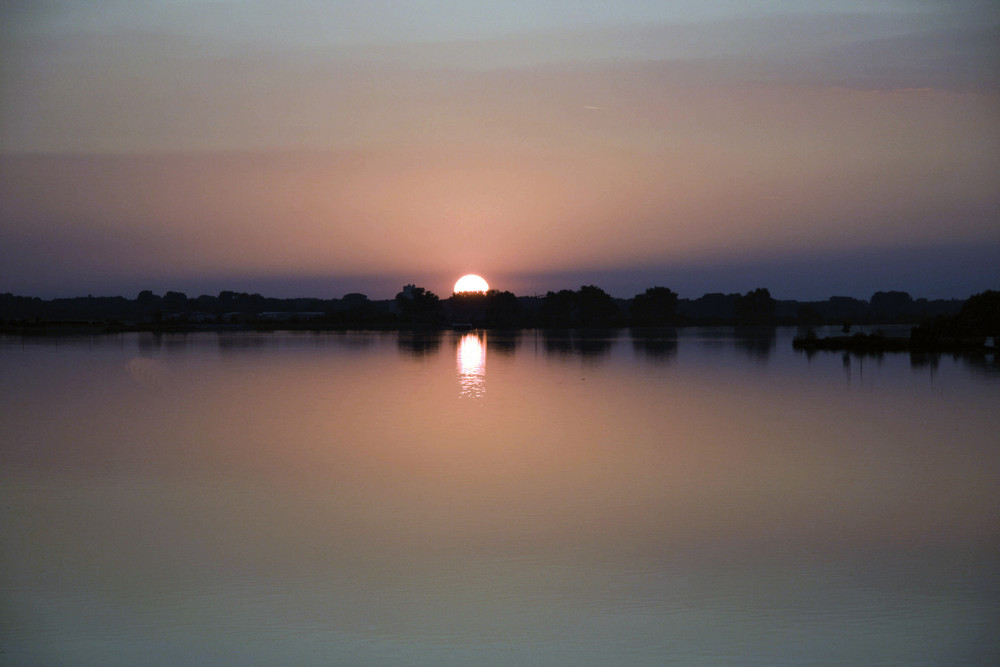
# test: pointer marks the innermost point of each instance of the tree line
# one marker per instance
(413, 306)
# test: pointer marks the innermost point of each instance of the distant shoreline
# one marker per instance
(967, 326)
(587, 306)
(877, 344)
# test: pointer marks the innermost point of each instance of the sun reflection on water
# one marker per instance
(471, 361)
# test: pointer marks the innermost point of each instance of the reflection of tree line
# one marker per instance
(425, 343)
(653, 343)
(578, 342)
(242, 342)
(658, 344)
(757, 342)
(986, 363)
(419, 343)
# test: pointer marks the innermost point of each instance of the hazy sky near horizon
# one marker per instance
(315, 148)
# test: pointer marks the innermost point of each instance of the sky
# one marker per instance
(312, 148)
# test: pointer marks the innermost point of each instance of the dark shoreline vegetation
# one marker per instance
(952, 325)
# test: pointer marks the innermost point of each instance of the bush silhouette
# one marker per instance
(755, 307)
(657, 306)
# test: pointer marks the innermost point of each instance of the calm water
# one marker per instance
(693, 498)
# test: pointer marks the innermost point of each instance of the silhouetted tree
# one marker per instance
(891, 307)
(980, 315)
(502, 309)
(808, 315)
(978, 318)
(712, 308)
(596, 307)
(843, 309)
(148, 306)
(358, 309)
(419, 306)
(755, 307)
(467, 307)
(355, 300)
(175, 302)
(657, 306)
(206, 304)
(559, 309)
(590, 306)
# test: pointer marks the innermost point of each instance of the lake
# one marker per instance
(691, 496)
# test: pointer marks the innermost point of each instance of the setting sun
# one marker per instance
(471, 283)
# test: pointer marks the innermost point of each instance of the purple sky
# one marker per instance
(308, 148)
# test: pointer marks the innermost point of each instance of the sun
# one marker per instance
(471, 283)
